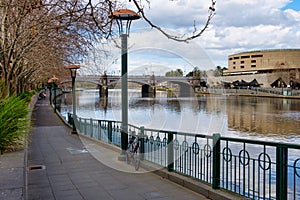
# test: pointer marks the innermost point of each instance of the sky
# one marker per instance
(238, 26)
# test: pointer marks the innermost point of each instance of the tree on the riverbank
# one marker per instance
(219, 71)
(196, 72)
(37, 37)
(176, 73)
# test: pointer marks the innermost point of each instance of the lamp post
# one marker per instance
(53, 86)
(124, 18)
(50, 90)
(54, 79)
(73, 69)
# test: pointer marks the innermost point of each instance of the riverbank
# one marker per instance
(247, 93)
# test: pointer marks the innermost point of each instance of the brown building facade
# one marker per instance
(265, 61)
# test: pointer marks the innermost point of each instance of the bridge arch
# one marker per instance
(185, 89)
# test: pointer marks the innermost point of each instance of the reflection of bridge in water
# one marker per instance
(176, 86)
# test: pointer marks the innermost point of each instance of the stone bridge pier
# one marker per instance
(186, 90)
(149, 90)
(180, 90)
(103, 87)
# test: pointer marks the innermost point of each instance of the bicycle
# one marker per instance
(133, 152)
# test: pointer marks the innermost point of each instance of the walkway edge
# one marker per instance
(31, 106)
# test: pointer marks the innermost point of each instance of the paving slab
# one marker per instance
(63, 166)
(12, 175)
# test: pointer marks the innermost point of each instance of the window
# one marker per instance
(242, 66)
(234, 62)
(235, 58)
(256, 56)
(230, 58)
(242, 62)
(253, 65)
(253, 61)
(245, 56)
(233, 67)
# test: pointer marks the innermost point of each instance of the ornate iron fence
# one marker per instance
(255, 169)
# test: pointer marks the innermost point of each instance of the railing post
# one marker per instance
(141, 135)
(69, 118)
(216, 161)
(170, 152)
(72, 120)
(99, 129)
(91, 127)
(109, 130)
(85, 127)
(281, 172)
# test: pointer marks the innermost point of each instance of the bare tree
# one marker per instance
(44, 34)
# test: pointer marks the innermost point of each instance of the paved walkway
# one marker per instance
(12, 175)
(61, 166)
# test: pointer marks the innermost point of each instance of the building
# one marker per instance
(276, 67)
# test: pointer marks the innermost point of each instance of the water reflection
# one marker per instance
(228, 115)
(268, 116)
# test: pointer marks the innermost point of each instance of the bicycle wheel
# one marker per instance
(137, 161)
(128, 156)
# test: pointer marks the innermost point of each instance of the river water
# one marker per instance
(271, 119)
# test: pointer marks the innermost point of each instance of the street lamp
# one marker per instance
(124, 18)
(53, 86)
(73, 69)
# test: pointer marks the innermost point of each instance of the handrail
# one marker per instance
(252, 168)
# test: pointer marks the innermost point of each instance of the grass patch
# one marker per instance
(14, 122)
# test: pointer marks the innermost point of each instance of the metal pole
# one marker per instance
(281, 172)
(124, 131)
(216, 161)
(74, 131)
(54, 100)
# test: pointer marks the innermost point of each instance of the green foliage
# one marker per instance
(14, 123)
(196, 72)
(27, 95)
(177, 72)
(219, 71)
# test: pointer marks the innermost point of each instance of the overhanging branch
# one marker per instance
(185, 38)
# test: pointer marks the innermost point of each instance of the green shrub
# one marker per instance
(14, 122)
(27, 95)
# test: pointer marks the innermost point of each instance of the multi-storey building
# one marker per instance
(283, 64)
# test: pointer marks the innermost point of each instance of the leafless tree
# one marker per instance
(42, 34)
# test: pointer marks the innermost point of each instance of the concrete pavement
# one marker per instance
(63, 166)
(12, 175)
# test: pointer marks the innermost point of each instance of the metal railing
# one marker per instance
(254, 169)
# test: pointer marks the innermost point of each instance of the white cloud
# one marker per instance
(238, 25)
(250, 25)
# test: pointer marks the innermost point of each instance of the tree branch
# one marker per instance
(195, 34)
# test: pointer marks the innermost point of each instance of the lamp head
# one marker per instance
(73, 69)
(124, 18)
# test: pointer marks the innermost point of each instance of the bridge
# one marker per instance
(181, 86)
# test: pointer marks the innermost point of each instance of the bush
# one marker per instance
(27, 95)
(14, 123)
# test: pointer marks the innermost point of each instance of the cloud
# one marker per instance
(237, 26)
(250, 25)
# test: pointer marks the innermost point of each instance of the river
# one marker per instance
(271, 119)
